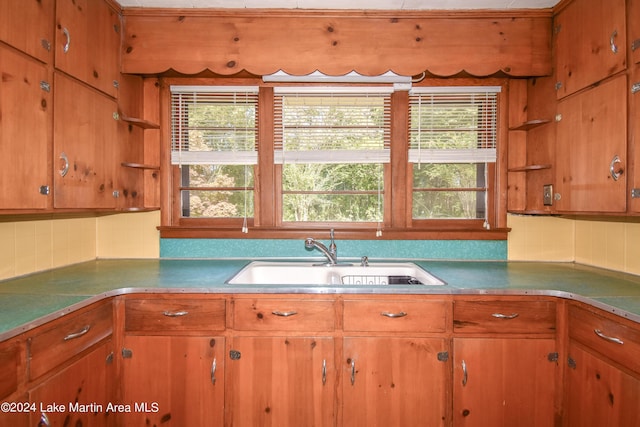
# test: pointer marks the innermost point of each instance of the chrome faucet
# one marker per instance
(331, 253)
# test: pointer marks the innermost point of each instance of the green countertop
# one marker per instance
(29, 301)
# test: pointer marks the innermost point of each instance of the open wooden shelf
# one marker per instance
(144, 124)
(531, 124)
(139, 166)
(529, 168)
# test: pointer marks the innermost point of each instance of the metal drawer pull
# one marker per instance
(465, 377)
(615, 172)
(78, 334)
(608, 338)
(353, 371)
(175, 313)
(284, 313)
(44, 420)
(214, 366)
(324, 371)
(393, 315)
(65, 165)
(66, 33)
(612, 41)
(505, 316)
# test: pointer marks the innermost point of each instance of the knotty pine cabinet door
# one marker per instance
(504, 382)
(634, 128)
(591, 149)
(85, 138)
(87, 42)
(392, 381)
(283, 381)
(25, 131)
(591, 41)
(597, 393)
(88, 384)
(28, 25)
(179, 378)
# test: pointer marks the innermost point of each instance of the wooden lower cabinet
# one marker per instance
(173, 380)
(504, 382)
(283, 381)
(597, 393)
(80, 394)
(388, 381)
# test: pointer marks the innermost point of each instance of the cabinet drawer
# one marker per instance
(283, 315)
(395, 315)
(608, 337)
(64, 338)
(504, 316)
(165, 315)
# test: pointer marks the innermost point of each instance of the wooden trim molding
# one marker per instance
(262, 42)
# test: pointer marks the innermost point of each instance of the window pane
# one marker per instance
(449, 191)
(332, 192)
(217, 176)
(217, 204)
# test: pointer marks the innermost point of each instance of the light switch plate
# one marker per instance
(547, 195)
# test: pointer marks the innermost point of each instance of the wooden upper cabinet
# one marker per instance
(85, 137)
(25, 131)
(590, 38)
(633, 20)
(591, 149)
(87, 44)
(634, 139)
(28, 25)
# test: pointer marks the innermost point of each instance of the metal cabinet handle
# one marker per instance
(65, 167)
(77, 334)
(66, 33)
(505, 316)
(615, 172)
(393, 315)
(214, 366)
(44, 420)
(175, 313)
(284, 313)
(465, 375)
(614, 340)
(324, 371)
(353, 371)
(612, 41)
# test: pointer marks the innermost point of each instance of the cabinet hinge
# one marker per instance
(635, 88)
(45, 86)
(553, 357)
(635, 45)
(127, 353)
(443, 356)
(46, 44)
(557, 29)
(44, 190)
(116, 84)
(234, 354)
(109, 359)
(558, 85)
(116, 115)
(635, 193)
(572, 363)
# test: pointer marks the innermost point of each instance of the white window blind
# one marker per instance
(453, 124)
(214, 125)
(332, 125)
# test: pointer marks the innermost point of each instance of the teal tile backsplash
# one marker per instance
(495, 250)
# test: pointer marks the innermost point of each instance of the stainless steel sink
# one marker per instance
(307, 273)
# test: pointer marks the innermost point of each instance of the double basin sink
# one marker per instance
(308, 273)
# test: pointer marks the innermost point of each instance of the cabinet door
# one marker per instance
(633, 19)
(591, 149)
(394, 382)
(85, 133)
(80, 394)
(503, 382)
(25, 131)
(634, 139)
(88, 42)
(590, 43)
(598, 394)
(36, 38)
(173, 381)
(281, 381)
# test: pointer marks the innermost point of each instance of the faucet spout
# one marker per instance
(331, 253)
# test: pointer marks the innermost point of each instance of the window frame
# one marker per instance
(398, 223)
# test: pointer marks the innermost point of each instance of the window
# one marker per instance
(332, 145)
(214, 143)
(452, 149)
(275, 159)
